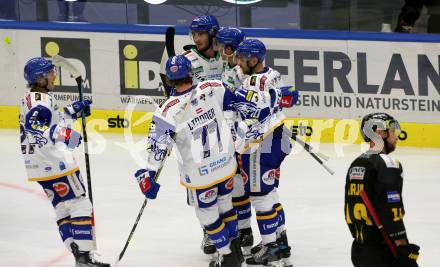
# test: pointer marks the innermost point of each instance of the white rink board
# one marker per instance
(401, 78)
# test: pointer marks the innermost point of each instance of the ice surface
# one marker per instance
(169, 233)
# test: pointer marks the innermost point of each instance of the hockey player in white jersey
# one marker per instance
(206, 63)
(192, 119)
(226, 42)
(264, 148)
(47, 141)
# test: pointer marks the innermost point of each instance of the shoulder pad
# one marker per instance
(209, 83)
(36, 98)
(389, 161)
(172, 101)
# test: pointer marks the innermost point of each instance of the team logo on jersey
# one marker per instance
(197, 70)
(37, 96)
(393, 197)
(77, 52)
(194, 102)
(61, 188)
(202, 97)
(208, 196)
(269, 177)
(253, 80)
(357, 173)
(203, 170)
(139, 67)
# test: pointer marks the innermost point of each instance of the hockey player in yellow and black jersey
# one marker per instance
(381, 177)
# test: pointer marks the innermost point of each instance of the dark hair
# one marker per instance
(174, 83)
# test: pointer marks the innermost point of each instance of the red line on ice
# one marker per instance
(23, 189)
(56, 259)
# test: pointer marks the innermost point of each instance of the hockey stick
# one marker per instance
(379, 225)
(169, 41)
(74, 72)
(167, 53)
(308, 147)
(316, 155)
(141, 211)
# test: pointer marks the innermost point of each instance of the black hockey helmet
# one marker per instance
(373, 121)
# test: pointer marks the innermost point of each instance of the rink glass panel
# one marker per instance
(344, 15)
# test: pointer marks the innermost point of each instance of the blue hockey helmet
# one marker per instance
(230, 36)
(37, 67)
(178, 67)
(251, 48)
(205, 23)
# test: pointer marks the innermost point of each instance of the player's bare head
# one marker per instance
(203, 30)
(178, 69)
(40, 74)
(227, 40)
(250, 55)
(381, 131)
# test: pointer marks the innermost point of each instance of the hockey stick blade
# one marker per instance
(60, 61)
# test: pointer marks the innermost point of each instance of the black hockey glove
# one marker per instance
(407, 256)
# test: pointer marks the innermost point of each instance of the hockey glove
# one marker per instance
(146, 181)
(76, 108)
(289, 96)
(71, 138)
(407, 256)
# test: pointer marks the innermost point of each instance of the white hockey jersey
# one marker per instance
(195, 121)
(44, 159)
(233, 76)
(203, 68)
(263, 82)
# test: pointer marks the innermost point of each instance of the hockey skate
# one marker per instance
(208, 246)
(268, 255)
(284, 247)
(85, 259)
(246, 240)
(257, 248)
